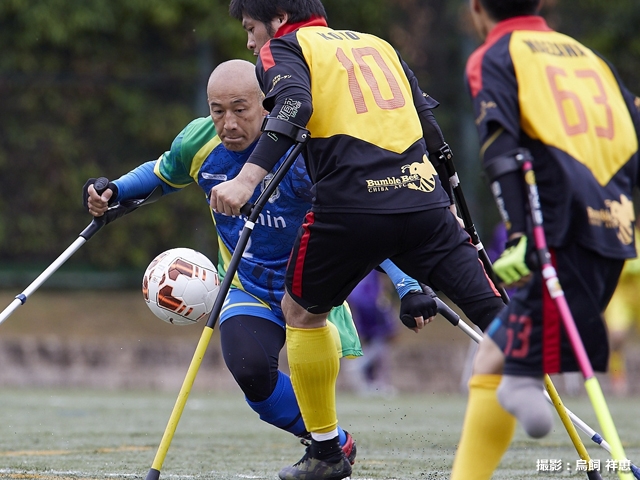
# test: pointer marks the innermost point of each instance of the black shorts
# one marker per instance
(333, 252)
(530, 331)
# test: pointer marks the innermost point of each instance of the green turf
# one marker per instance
(56, 434)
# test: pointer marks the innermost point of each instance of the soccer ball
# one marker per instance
(180, 286)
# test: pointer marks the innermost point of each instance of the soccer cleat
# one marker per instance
(349, 447)
(309, 468)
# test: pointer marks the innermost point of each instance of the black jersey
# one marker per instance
(366, 152)
(566, 104)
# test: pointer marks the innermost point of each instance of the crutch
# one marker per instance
(551, 392)
(554, 288)
(252, 212)
(446, 155)
(115, 211)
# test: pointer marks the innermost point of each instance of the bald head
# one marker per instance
(235, 103)
(234, 76)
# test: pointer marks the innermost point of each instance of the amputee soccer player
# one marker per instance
(251, 323)
(539, 92)
(376, 194)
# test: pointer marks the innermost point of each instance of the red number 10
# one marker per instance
(397, 99)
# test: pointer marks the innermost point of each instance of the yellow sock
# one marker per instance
(486, 432)
(314, 364)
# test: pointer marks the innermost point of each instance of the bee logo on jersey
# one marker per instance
(618, 215)
(265, 183)
(421, 177)
(425, 174)
(484, 107)
(623, 215)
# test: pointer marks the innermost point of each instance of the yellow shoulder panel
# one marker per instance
(356, 80)
(570, 100)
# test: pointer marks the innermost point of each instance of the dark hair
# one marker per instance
(264, 10)
(503, 9)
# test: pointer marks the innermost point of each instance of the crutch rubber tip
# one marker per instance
(153, 474)
(594, 475)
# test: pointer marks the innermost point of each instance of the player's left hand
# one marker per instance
(512, 266)
(229, 197)
(417, 309)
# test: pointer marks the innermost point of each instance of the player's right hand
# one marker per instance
(227, 198)
(96, 204)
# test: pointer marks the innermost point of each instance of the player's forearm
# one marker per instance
(432, 133)
(251, 175)
(508, 190)
(269, 149)
(292, 105)
(403, 282)
(139, 182)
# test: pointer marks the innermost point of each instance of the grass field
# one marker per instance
(80, 434)
(77, 433)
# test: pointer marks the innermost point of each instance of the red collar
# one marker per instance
(291, 27)
(528, 22)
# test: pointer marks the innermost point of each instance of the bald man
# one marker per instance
(252, 328)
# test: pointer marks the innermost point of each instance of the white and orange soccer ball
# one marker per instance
(180, 286)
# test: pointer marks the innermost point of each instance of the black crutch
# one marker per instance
(446, 156)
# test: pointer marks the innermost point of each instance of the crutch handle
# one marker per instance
(246, 209)
(443, 309)
(101, 184)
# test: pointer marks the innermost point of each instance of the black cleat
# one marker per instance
(309, 468)
(349, 447)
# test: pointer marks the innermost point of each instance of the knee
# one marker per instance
(256, 383)
(297, 317)
(246, 372)
(292, 311)
(489, 358)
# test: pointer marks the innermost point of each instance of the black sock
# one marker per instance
(327, 450)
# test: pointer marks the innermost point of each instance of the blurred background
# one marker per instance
(95, 87)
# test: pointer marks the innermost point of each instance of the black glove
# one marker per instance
(417, 303)
(85, 191)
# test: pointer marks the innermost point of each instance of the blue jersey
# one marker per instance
(197, 154)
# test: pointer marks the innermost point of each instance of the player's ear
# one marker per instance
(283, 17)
